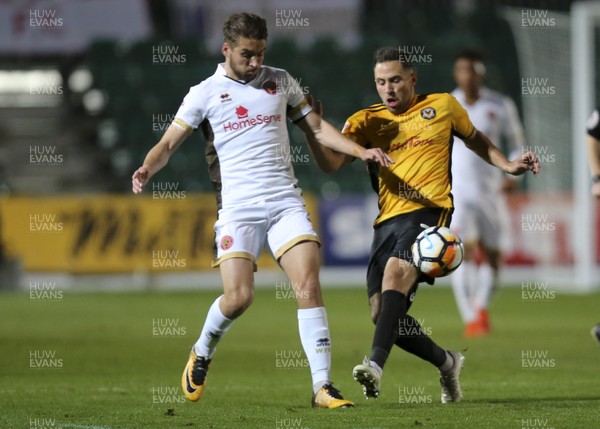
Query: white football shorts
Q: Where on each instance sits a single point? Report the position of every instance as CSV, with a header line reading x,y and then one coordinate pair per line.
x,y
484,221
243,231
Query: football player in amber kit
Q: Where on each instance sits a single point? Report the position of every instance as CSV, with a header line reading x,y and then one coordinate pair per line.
x,y
416,131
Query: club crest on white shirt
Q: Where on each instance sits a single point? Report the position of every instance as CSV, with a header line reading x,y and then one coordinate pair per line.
x,y
226,242
270,87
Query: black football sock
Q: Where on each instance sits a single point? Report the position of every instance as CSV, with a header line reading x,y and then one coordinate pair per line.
x,y
413,339
393,306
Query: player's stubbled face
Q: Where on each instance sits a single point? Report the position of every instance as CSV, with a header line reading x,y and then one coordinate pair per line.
x,y
395,85
468,74
244,59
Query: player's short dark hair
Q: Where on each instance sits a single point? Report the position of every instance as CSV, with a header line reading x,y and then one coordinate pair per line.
x,y
388,53
246,25
470,55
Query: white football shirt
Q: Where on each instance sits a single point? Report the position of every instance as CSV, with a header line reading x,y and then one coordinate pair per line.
x,y
495,115
248,121
593,124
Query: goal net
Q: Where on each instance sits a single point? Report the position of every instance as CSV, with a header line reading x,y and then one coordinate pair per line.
x,y
556,53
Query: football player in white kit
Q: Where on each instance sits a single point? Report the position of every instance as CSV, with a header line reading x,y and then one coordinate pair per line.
x,y
481,216
593,145
242,109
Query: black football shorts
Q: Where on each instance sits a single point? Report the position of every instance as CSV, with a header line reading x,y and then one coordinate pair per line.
x,y
394,238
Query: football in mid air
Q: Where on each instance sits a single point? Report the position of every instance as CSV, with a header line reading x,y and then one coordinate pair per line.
x,y
437,251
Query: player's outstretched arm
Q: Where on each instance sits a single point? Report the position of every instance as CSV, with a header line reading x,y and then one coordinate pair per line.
x,y
512,130
323,133
485,149
158,157
326,159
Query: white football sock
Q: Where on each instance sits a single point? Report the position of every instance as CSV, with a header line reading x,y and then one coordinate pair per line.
x,y
463,280
215,326
487,283
315,338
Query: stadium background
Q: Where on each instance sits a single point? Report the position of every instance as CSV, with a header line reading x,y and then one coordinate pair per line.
x,y
89,87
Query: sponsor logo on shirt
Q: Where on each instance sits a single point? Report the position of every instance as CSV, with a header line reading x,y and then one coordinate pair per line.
x,y
225,98
410,143
247,121
241,112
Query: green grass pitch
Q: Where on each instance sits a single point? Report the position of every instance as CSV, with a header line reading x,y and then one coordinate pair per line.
x,y
89,360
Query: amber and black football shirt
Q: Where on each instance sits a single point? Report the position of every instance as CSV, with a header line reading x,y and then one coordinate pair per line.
x,y
420,142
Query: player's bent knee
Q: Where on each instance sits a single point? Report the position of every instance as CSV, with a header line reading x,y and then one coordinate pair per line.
x,y
399,275
237,302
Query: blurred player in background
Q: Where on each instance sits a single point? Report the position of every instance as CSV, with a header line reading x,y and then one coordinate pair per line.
x,y
242,109
481,216
593,144
416,131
